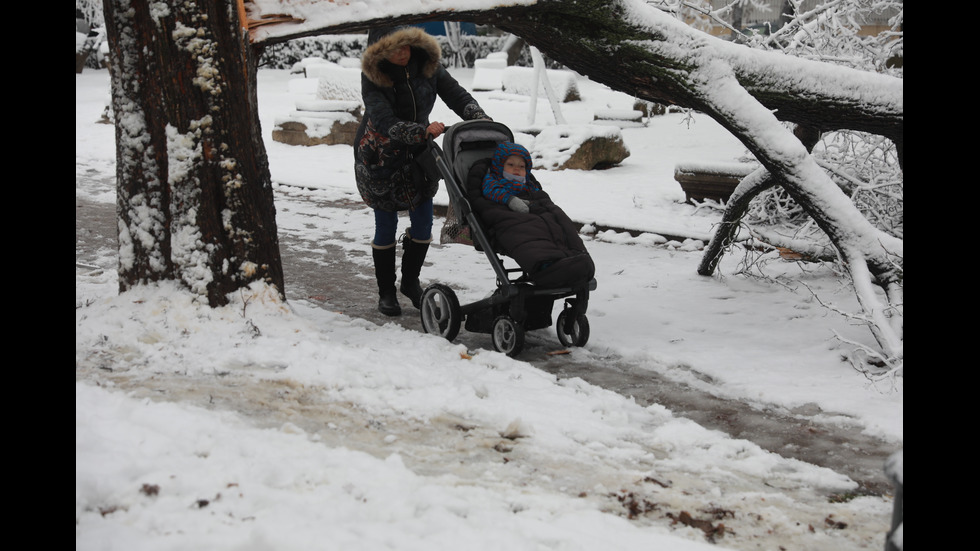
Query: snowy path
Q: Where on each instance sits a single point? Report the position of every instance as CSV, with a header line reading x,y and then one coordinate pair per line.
x,y
472,453
316,270
328,275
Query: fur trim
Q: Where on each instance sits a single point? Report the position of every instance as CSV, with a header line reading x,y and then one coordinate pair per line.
x,y
415,37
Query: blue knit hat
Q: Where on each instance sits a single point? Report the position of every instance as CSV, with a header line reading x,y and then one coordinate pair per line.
x,y
505,150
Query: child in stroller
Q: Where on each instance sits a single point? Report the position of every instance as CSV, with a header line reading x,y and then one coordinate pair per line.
x,y
524,223
553,262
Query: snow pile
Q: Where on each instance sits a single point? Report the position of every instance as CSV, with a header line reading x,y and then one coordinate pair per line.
x,y
386,438
301,65
717,168
304,87
489,73
522,80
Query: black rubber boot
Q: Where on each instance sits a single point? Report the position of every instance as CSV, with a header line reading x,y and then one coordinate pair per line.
x,y
412,260
384,271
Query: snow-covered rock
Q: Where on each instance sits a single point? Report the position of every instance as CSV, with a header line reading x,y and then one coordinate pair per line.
x,y
578,146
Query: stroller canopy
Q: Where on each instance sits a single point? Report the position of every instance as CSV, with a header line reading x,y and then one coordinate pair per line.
x,y
466,142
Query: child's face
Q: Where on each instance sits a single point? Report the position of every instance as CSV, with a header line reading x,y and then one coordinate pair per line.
x,y
515,165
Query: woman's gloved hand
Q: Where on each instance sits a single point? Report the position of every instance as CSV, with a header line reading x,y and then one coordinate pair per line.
x,y
435,129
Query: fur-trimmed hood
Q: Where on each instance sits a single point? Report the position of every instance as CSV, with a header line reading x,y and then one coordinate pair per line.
x,y
383,42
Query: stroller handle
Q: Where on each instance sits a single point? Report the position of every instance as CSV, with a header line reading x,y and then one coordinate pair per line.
x,y
429,138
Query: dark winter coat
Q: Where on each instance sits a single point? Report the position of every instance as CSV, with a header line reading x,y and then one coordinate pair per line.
x,y
544,241
397,104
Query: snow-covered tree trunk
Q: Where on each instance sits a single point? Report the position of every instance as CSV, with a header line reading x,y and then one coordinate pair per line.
x,y
454,40
194,195
540,81
870,255
738,204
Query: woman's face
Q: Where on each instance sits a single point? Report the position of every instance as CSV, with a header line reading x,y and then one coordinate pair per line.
x,y
515,165
400,56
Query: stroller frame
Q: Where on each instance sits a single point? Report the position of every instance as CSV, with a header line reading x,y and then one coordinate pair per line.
x,y
517,305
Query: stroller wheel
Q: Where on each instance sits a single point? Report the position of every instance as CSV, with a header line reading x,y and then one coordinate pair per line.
x,y
508,336
572,331
440,311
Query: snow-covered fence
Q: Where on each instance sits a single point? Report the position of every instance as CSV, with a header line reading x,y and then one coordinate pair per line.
x,y
522,80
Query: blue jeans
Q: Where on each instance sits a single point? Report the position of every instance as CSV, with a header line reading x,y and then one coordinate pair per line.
x,y
386,224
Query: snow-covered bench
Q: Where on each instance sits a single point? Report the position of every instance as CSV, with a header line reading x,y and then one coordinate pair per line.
x,y
332,116
319,122
623,118
715,181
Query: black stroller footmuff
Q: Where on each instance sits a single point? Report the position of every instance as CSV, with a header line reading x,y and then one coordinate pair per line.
x,y
551,268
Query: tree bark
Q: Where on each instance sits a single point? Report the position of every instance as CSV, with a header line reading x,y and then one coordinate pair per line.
x,y
194,194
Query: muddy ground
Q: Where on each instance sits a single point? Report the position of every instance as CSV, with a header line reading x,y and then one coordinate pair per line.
x,y
789,433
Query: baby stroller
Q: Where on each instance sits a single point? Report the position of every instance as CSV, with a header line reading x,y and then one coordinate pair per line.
x,y
517,305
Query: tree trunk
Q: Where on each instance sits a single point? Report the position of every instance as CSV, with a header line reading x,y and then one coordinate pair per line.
x,y
194,195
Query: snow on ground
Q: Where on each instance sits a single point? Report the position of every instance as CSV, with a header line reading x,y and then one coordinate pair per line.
x,y
266,425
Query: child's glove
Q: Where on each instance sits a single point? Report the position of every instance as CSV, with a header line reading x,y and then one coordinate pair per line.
x,y
518,205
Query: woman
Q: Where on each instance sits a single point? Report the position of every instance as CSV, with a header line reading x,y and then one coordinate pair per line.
x,y
401,76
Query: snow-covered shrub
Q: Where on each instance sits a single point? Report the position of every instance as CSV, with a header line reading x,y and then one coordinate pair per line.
x,y
331,48
338,48
336,82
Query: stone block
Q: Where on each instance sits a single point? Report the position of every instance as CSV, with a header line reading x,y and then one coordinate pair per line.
x,y
317,128
579,147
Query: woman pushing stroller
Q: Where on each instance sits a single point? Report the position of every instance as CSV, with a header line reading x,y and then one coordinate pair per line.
x,y
524,223
401,77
